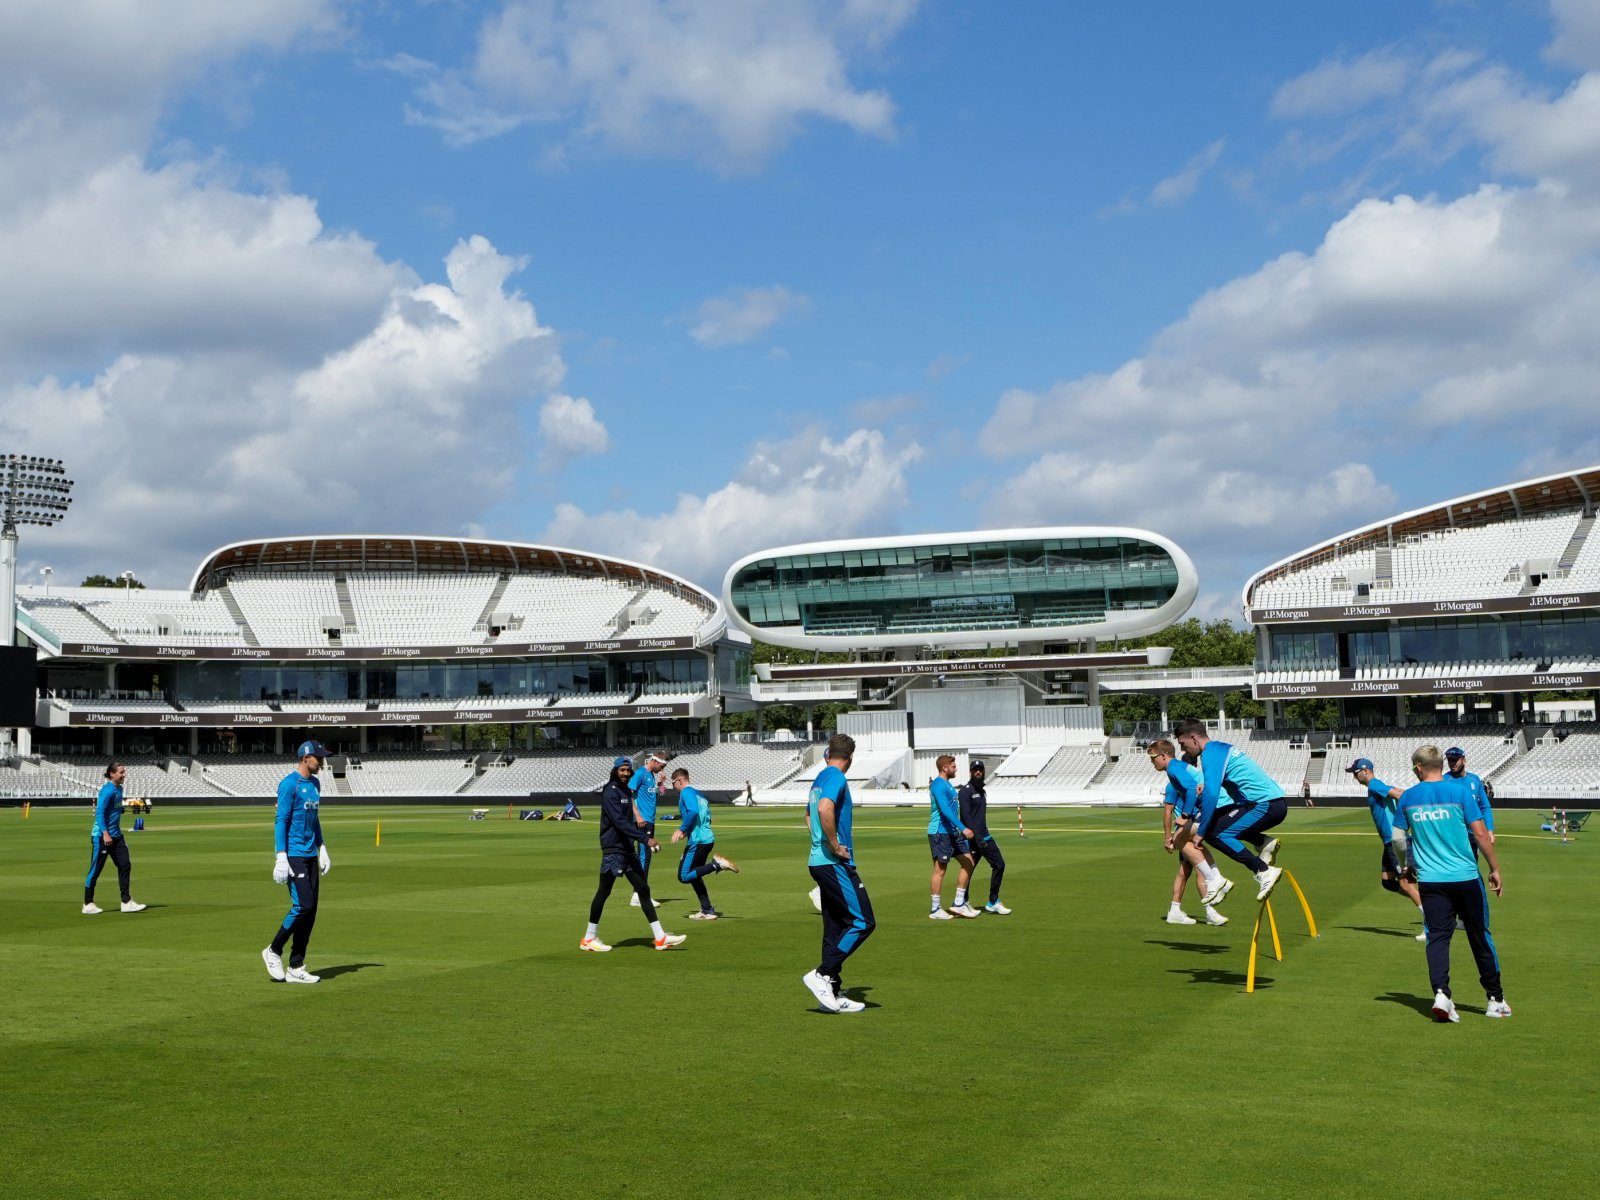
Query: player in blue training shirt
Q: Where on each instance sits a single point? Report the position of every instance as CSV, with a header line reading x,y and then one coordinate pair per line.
x,y
106,841
698,860
846,910
620,831
1182,800
1444,822
1381,799
302,859
1239,802
642,785
1455,761
947,839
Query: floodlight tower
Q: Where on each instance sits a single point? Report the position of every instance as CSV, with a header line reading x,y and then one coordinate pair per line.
x,y
33,491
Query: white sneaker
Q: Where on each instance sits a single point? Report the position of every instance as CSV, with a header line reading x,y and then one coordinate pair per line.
x,y
1214,897
725,863
847,1005
132,906
816,898
91,908
634,902
822,989
1423,936
274,964
1268,880
1497,1008
1176,916
939,914
965,910
300,975
1444,1009
594,945
704,916
998,909
1269,850
1213,917
671,940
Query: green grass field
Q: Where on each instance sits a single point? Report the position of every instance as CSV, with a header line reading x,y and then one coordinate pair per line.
x,y
460,1045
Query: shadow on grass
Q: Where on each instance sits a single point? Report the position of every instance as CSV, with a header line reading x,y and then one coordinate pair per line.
x,y
346,969
1191,947
1234,979
1380,932
855,993
1421,1004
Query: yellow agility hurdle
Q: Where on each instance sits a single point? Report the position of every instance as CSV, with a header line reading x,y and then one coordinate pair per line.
x,y
1272,926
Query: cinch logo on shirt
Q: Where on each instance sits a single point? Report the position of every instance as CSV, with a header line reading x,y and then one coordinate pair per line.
x,y
1434,814
310,804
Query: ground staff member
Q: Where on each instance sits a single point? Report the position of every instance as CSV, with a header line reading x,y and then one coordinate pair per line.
x,y
973,803
106,841
1444,822
302,859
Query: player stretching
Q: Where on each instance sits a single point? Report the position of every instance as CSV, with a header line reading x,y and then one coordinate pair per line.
x,y
1182,799
1381,800
106,841
846,910
302,858
973,802
698,860
947,839
1239,802
1455,761
620,832
642,785
1444,820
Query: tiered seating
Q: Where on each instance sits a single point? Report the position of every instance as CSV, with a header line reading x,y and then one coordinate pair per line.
x,y
560,608
1555,767
286,610
1390,751
866,765
146,776
667,615
1069,770
416,610
1480,562
248,774
61,616
24,783
584,699
1132,775
146,617
1285,762
666,691
1315,585
728,766
409,775
545,771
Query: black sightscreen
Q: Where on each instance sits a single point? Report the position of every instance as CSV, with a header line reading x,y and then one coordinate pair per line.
x,y
18,686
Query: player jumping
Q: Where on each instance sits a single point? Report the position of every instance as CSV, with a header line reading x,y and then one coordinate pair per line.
x,y
1239,802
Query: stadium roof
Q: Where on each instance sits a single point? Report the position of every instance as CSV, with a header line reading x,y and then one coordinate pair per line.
x,y
1562,492
412,552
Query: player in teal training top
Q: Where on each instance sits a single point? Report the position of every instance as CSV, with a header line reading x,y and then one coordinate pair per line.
x,y
846,911
1239,802
1455,762
106,841
1179,804
302,859
642,786
1444,823
1381,800
699,859
947,839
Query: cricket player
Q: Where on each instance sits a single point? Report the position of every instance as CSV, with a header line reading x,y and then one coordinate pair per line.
x,y
642,785
698,860
947,839
1443,820
1455,760
620,833
972,802
1381,800
846,911
302,858
106,841
1239,802
1182,801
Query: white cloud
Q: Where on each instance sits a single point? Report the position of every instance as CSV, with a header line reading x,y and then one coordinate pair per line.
x,y
727,80
1343,85
805,488
568,429
744,314
1180,185
1577,38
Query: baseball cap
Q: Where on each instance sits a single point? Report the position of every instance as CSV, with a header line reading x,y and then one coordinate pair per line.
x,y
976,765
1360,764
622,760
1455,752
312,747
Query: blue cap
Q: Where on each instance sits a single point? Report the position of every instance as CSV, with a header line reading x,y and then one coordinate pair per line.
x,y
1360,764
1455,752
621,760
312,747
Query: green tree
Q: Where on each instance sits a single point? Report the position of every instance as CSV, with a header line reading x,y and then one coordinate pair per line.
x,y
107,581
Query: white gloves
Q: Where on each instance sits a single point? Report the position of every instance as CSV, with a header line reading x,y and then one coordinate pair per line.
x,y
280,869
323,860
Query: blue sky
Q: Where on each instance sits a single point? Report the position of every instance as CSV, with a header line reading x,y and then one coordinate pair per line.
x,y
724,275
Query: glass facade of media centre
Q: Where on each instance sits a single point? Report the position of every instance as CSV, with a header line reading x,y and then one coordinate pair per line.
x,y
956,587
